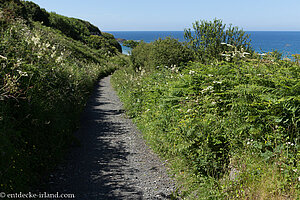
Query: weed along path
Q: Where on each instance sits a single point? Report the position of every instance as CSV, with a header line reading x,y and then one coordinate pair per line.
x,y
112,160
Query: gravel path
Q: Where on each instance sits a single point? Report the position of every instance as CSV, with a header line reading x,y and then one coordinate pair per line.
x,y
112,161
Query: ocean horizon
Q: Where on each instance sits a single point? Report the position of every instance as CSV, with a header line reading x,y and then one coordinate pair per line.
x,y
287,42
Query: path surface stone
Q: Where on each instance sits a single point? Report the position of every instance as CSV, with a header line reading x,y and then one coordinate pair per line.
x,y
112,160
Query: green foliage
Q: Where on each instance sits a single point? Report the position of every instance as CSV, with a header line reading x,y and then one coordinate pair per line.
x,y
207,38
72,27
220,119
12,9
45,79
112,41
100,43
35,13
130,43
170,51
162,52
141,55
85,32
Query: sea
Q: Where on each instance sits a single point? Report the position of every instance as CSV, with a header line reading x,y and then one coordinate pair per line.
x,y
287,42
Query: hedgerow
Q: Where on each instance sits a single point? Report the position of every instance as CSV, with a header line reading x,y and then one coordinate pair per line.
x,y
229,129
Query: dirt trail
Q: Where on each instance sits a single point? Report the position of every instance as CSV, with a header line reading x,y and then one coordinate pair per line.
x,y
112,161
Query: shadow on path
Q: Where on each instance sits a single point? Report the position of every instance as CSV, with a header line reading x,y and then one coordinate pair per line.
x,y
96,169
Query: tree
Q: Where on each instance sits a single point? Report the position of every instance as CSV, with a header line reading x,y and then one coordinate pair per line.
x,y
209,39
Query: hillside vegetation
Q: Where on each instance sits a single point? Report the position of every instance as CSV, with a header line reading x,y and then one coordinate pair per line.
x,y
226,118
49,64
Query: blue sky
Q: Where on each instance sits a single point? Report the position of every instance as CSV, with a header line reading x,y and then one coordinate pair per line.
x,y
139,15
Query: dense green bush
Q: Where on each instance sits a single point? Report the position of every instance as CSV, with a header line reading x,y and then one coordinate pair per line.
x,y
141,55
162,52
130,43
105,42
211,39
112,41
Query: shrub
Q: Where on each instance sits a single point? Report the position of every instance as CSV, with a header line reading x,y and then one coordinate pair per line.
x,y
169,52
141,55
162,52
100,43
207,39
130,43
112,41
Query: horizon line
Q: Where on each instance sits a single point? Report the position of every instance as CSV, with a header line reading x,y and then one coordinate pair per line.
x,y
183,30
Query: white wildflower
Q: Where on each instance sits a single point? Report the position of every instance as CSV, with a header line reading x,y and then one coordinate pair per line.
x,y
207,89
35,40
59,59
218,82
210,75
290,143
3,57
191,72
22,73
47,45
225,55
